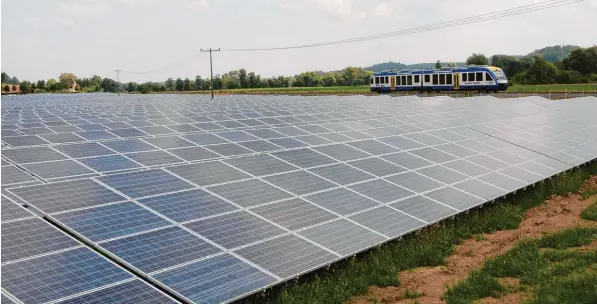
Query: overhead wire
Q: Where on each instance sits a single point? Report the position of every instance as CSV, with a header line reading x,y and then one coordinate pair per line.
x,y
437,26
480,18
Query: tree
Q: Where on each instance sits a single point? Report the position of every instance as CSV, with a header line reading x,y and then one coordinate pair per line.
x,y
41,84
170,84
582,60
132,87
14,87
14,80
25,87
541,72
6,88
51,85
438,65
242,77
187,85
109,85
67,80
179,84
254,80
217,82
351,75
198,83
5,77
478,59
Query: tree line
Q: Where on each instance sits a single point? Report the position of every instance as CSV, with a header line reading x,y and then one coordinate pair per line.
x,y
580,66
65,82
241,79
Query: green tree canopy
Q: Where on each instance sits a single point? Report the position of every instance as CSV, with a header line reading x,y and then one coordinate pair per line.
x,y
478,59
438,65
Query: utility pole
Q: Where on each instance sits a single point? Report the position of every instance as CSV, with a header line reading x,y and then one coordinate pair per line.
x,y
210,50
118,80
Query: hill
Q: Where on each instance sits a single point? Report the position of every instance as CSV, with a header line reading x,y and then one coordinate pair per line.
x,y
397,65
554,53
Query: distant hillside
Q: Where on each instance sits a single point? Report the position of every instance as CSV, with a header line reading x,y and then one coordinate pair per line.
x,y
397,65
554,53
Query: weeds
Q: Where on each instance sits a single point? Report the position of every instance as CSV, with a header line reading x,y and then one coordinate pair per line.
x,y
412,294
590,213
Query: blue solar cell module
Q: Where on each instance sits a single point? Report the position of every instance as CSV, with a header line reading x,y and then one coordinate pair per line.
x,y
188,205
31,237
134,291
160,249
109,163
215,280
12,211
96,135
56,197
129,145
128,132
51,277
235,229
57,169
105,222
287,256
84,150
22,141
13,175
31,155
145,183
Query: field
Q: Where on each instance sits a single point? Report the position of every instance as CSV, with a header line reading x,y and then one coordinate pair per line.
x,y
587,88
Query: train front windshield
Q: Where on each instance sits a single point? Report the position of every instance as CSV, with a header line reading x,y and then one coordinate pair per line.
x,y
499,74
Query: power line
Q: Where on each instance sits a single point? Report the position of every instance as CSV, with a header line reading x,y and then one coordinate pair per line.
x,y
475,19
437,26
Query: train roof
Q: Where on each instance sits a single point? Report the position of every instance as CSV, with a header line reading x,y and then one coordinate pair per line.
x,y
468,68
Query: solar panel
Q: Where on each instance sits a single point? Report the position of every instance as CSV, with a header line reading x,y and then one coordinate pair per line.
x,y
160,249
145,183
257,190
105,222
235,229
133,291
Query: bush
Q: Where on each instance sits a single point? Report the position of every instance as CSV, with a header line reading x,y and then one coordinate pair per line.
x,y
567,76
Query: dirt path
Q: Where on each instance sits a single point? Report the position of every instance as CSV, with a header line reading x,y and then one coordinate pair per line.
x,y
555,214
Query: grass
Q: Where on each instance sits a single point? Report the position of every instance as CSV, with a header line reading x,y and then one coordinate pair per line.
x,y
556,273
590,213
585,87
430,247
412,294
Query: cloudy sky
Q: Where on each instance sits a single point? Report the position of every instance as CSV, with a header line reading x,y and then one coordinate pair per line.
x,y
42,38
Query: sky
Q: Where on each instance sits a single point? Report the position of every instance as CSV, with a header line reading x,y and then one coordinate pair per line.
x,y
43,38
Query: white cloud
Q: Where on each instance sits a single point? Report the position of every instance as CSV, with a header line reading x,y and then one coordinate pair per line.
x,y
200,5
34,21
382,9
341,8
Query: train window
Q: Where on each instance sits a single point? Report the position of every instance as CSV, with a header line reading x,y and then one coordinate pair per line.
x,y
398,82
448,78
417,78
488,77
479,76
403,80
376,80
427,78
372,80
471,76
410,80
464,78
442,78
435,79
387,79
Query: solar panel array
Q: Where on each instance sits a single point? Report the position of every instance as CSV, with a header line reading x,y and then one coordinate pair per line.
x,y
216,200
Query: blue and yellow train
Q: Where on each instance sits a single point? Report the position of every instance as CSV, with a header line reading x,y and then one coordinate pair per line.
x,y
470,78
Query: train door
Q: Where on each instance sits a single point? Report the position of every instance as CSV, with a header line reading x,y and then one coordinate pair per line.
x,y
456,81
393,82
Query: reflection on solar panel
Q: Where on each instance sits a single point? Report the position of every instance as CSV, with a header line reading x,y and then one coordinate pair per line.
x,y
222,199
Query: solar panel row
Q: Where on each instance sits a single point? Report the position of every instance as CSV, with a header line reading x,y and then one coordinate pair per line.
x,y
228,197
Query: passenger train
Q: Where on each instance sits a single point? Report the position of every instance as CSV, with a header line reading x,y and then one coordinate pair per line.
x,y
469,78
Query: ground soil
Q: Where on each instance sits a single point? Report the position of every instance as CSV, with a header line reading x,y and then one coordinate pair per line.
x,y
557,213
